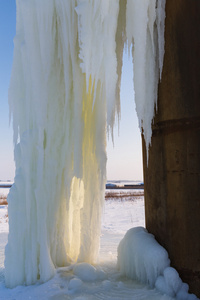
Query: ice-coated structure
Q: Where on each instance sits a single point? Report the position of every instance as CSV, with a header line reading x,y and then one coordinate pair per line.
x,y
63,97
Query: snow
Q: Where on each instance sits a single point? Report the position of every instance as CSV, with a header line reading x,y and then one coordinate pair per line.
x,y
3,218
5,189
106,281
3,192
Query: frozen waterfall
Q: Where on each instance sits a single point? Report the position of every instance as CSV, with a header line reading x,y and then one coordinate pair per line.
x,y
64,98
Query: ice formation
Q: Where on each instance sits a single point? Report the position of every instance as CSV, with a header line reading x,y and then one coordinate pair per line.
x,y
142,258
63,96
88,273
147,52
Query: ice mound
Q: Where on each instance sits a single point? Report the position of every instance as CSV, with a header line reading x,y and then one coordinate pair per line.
x,y
75,284
171,284
87,272
142,258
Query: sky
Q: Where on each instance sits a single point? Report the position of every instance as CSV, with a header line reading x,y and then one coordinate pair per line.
x,y
7,33
124,158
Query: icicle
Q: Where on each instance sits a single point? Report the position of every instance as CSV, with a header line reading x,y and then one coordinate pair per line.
x,y
161,30
97,29
145,28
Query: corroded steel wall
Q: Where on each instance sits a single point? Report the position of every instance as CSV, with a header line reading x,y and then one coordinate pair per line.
x,y
172,178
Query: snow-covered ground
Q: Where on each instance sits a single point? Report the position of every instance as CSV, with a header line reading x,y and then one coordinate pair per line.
x,y
83,282
3,191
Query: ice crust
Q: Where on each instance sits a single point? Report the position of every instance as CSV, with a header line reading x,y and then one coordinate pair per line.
x,y
142,258
63,96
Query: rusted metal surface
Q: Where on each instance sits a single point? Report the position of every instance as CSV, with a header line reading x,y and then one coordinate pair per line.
x,y
171,126
172,178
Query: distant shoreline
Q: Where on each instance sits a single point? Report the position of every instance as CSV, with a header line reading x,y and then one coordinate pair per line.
x,y
108,186
5,185
125,187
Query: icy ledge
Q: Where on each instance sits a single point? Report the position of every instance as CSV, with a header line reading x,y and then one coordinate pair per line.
x,y
142,258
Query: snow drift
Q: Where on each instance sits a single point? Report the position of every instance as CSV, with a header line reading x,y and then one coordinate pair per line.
x,y
64,94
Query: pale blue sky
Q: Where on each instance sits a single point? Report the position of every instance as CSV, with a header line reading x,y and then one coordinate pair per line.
x,y
124,160
7,32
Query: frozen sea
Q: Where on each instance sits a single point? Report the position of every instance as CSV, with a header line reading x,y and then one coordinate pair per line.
x,y
123,210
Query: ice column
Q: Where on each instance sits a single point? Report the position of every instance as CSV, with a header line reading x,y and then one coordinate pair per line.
x,y
64,56
63,97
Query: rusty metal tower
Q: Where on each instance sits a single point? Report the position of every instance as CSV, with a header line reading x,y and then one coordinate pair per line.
x,y
172,178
